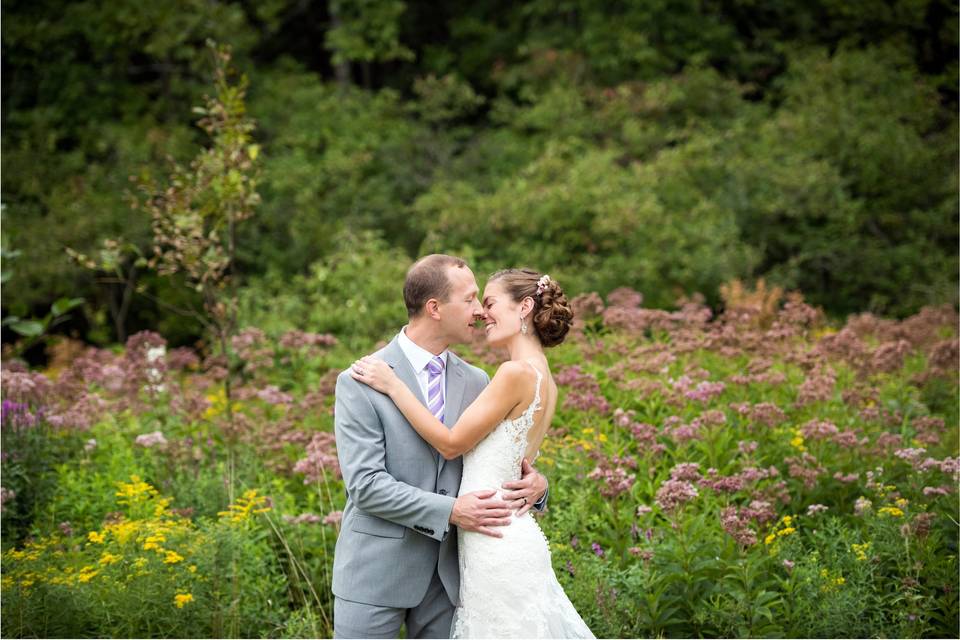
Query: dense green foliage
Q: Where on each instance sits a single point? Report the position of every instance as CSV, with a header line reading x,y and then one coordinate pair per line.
x,y
668,146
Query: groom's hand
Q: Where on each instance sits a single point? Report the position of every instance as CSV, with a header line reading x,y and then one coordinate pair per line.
x,y
479,511
522,494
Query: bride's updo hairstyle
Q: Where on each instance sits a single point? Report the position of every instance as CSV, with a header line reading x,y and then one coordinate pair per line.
x,y
552,316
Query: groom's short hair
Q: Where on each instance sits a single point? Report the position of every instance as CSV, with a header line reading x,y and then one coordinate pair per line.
x,y
427,278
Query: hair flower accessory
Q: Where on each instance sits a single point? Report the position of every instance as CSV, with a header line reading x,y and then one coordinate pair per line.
x,y
542,284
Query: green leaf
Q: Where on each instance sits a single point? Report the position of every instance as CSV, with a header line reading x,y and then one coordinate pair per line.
x,y
28,328
63,305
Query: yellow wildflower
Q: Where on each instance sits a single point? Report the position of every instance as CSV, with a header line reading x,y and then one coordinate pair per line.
x,y
587,432
134,491
109,558
861,550
153,541
890,511
122,530
172,558
797,442
902,502
602,437
218,404
770,538
192,568
86,574
830,584
787,520
96,537
161,509
785,532
181,599
248,503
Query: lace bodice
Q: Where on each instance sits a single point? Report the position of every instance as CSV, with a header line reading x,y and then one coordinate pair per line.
x,y
496,459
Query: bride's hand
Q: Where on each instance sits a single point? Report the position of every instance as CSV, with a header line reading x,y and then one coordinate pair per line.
x,y
376,373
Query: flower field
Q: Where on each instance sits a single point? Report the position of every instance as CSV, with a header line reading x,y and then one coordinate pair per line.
x,y
760,473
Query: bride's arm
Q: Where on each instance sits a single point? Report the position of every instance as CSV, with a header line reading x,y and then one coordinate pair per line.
x,y
493,404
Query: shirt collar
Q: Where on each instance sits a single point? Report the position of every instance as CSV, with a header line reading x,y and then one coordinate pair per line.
x,y
418,356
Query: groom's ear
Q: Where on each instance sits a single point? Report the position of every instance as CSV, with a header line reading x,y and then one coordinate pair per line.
x,y
432,308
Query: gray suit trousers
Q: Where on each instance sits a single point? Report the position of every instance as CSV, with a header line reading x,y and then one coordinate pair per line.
x,y
431,618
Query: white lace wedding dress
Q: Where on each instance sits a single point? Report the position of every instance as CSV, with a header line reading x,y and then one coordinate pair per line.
x,y
507,585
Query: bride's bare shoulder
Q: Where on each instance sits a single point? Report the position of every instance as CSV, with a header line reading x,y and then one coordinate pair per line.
x,y
512,370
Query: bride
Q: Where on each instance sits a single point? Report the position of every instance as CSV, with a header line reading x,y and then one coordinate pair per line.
x,y
507,585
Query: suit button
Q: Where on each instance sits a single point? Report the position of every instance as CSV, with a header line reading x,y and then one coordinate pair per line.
x,y
442,492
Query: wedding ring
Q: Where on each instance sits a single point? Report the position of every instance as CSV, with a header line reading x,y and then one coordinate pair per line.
x,y
524,501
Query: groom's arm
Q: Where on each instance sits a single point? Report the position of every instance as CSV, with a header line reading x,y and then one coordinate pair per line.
x,y
362,454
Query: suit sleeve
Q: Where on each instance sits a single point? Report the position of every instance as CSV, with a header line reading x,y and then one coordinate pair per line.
x,y
362,454
541,504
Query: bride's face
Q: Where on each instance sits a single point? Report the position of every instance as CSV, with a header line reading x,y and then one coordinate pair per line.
x,y
501,315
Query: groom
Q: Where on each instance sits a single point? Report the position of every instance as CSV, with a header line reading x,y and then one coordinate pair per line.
x,y
396,558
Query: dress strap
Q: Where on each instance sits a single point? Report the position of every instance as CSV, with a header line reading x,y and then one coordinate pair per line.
x,y
536,394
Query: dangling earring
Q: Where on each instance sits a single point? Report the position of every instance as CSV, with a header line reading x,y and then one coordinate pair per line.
x,y
523,325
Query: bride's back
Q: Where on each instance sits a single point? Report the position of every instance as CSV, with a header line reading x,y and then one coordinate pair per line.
x,y
543,416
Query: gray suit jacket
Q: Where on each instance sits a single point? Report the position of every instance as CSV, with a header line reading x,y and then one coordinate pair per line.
x,y
400,492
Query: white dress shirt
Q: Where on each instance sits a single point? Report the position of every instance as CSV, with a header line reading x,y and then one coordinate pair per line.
x,y
419,358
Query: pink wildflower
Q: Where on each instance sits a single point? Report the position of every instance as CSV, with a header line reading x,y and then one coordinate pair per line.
x,y
6,496
151,439
737,527
686,471
272,395
746,447
674,493
321,456
848,478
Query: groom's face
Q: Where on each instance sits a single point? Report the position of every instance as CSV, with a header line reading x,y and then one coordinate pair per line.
x,y
461,311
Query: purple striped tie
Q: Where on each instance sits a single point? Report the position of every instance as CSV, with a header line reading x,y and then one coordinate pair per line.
x,y
435,387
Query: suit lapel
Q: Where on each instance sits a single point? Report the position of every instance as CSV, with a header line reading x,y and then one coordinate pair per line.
x,y
393,355
453,396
